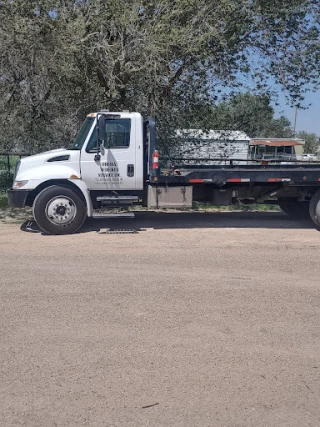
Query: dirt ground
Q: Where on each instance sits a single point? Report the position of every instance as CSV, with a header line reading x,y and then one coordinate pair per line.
x,y
170,319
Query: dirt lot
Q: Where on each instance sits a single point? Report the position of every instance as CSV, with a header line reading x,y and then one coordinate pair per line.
x,y
187,319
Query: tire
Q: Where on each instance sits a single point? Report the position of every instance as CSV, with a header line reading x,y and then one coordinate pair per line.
x,y
59,210
314,209
295,209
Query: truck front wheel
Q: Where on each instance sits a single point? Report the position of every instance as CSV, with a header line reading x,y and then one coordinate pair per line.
x,y
59,210
295,209
314,209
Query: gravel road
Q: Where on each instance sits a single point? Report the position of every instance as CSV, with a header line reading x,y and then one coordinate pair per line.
x,y
181,320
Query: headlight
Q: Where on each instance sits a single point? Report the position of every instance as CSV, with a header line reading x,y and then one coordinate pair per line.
x,y
19,184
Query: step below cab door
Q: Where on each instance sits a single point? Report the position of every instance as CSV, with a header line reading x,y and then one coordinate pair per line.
x,y
120,164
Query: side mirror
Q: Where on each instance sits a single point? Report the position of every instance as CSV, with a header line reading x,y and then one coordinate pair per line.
x,y
101,129
101,134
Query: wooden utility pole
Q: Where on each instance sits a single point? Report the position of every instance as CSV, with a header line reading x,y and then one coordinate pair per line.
x,y
295,121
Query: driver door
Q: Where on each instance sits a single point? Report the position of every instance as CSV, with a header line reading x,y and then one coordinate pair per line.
x,y
116,168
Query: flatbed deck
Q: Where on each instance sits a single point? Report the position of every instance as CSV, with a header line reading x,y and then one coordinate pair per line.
x,y
298,173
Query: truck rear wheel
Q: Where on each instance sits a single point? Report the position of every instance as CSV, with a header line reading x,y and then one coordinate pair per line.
x,y
295,209
314,209
59,210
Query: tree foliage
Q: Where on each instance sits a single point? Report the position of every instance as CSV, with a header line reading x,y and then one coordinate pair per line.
x,y
60,59
312,142
252,114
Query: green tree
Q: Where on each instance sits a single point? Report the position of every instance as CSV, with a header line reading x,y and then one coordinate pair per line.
x,y
312,142
252,114
60,59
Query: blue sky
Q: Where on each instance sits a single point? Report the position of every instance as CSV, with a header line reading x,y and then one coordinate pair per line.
x,y
309,119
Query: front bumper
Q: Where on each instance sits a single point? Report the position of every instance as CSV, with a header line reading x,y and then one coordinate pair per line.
x,y
17,198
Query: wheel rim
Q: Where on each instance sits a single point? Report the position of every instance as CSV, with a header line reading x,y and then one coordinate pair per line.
x,y
61,210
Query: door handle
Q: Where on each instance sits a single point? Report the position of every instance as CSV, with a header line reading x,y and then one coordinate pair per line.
x,y
130,170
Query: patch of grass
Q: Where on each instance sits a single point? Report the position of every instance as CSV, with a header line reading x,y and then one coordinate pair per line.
x,y
10,215
3,201
6,179
207,207
237,207
12,160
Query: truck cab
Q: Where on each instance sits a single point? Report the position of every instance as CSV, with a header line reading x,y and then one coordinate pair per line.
x,y
109,172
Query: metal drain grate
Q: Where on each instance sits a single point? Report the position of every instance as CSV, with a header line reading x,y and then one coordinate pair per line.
x,y
103,215
119,232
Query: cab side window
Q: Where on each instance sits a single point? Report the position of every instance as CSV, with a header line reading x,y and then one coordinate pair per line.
x,y
117,135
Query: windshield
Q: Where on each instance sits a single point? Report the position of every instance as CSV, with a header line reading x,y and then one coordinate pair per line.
x,y
83,133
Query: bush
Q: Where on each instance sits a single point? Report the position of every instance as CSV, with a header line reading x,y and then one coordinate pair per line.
x,y
3,201
5,181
